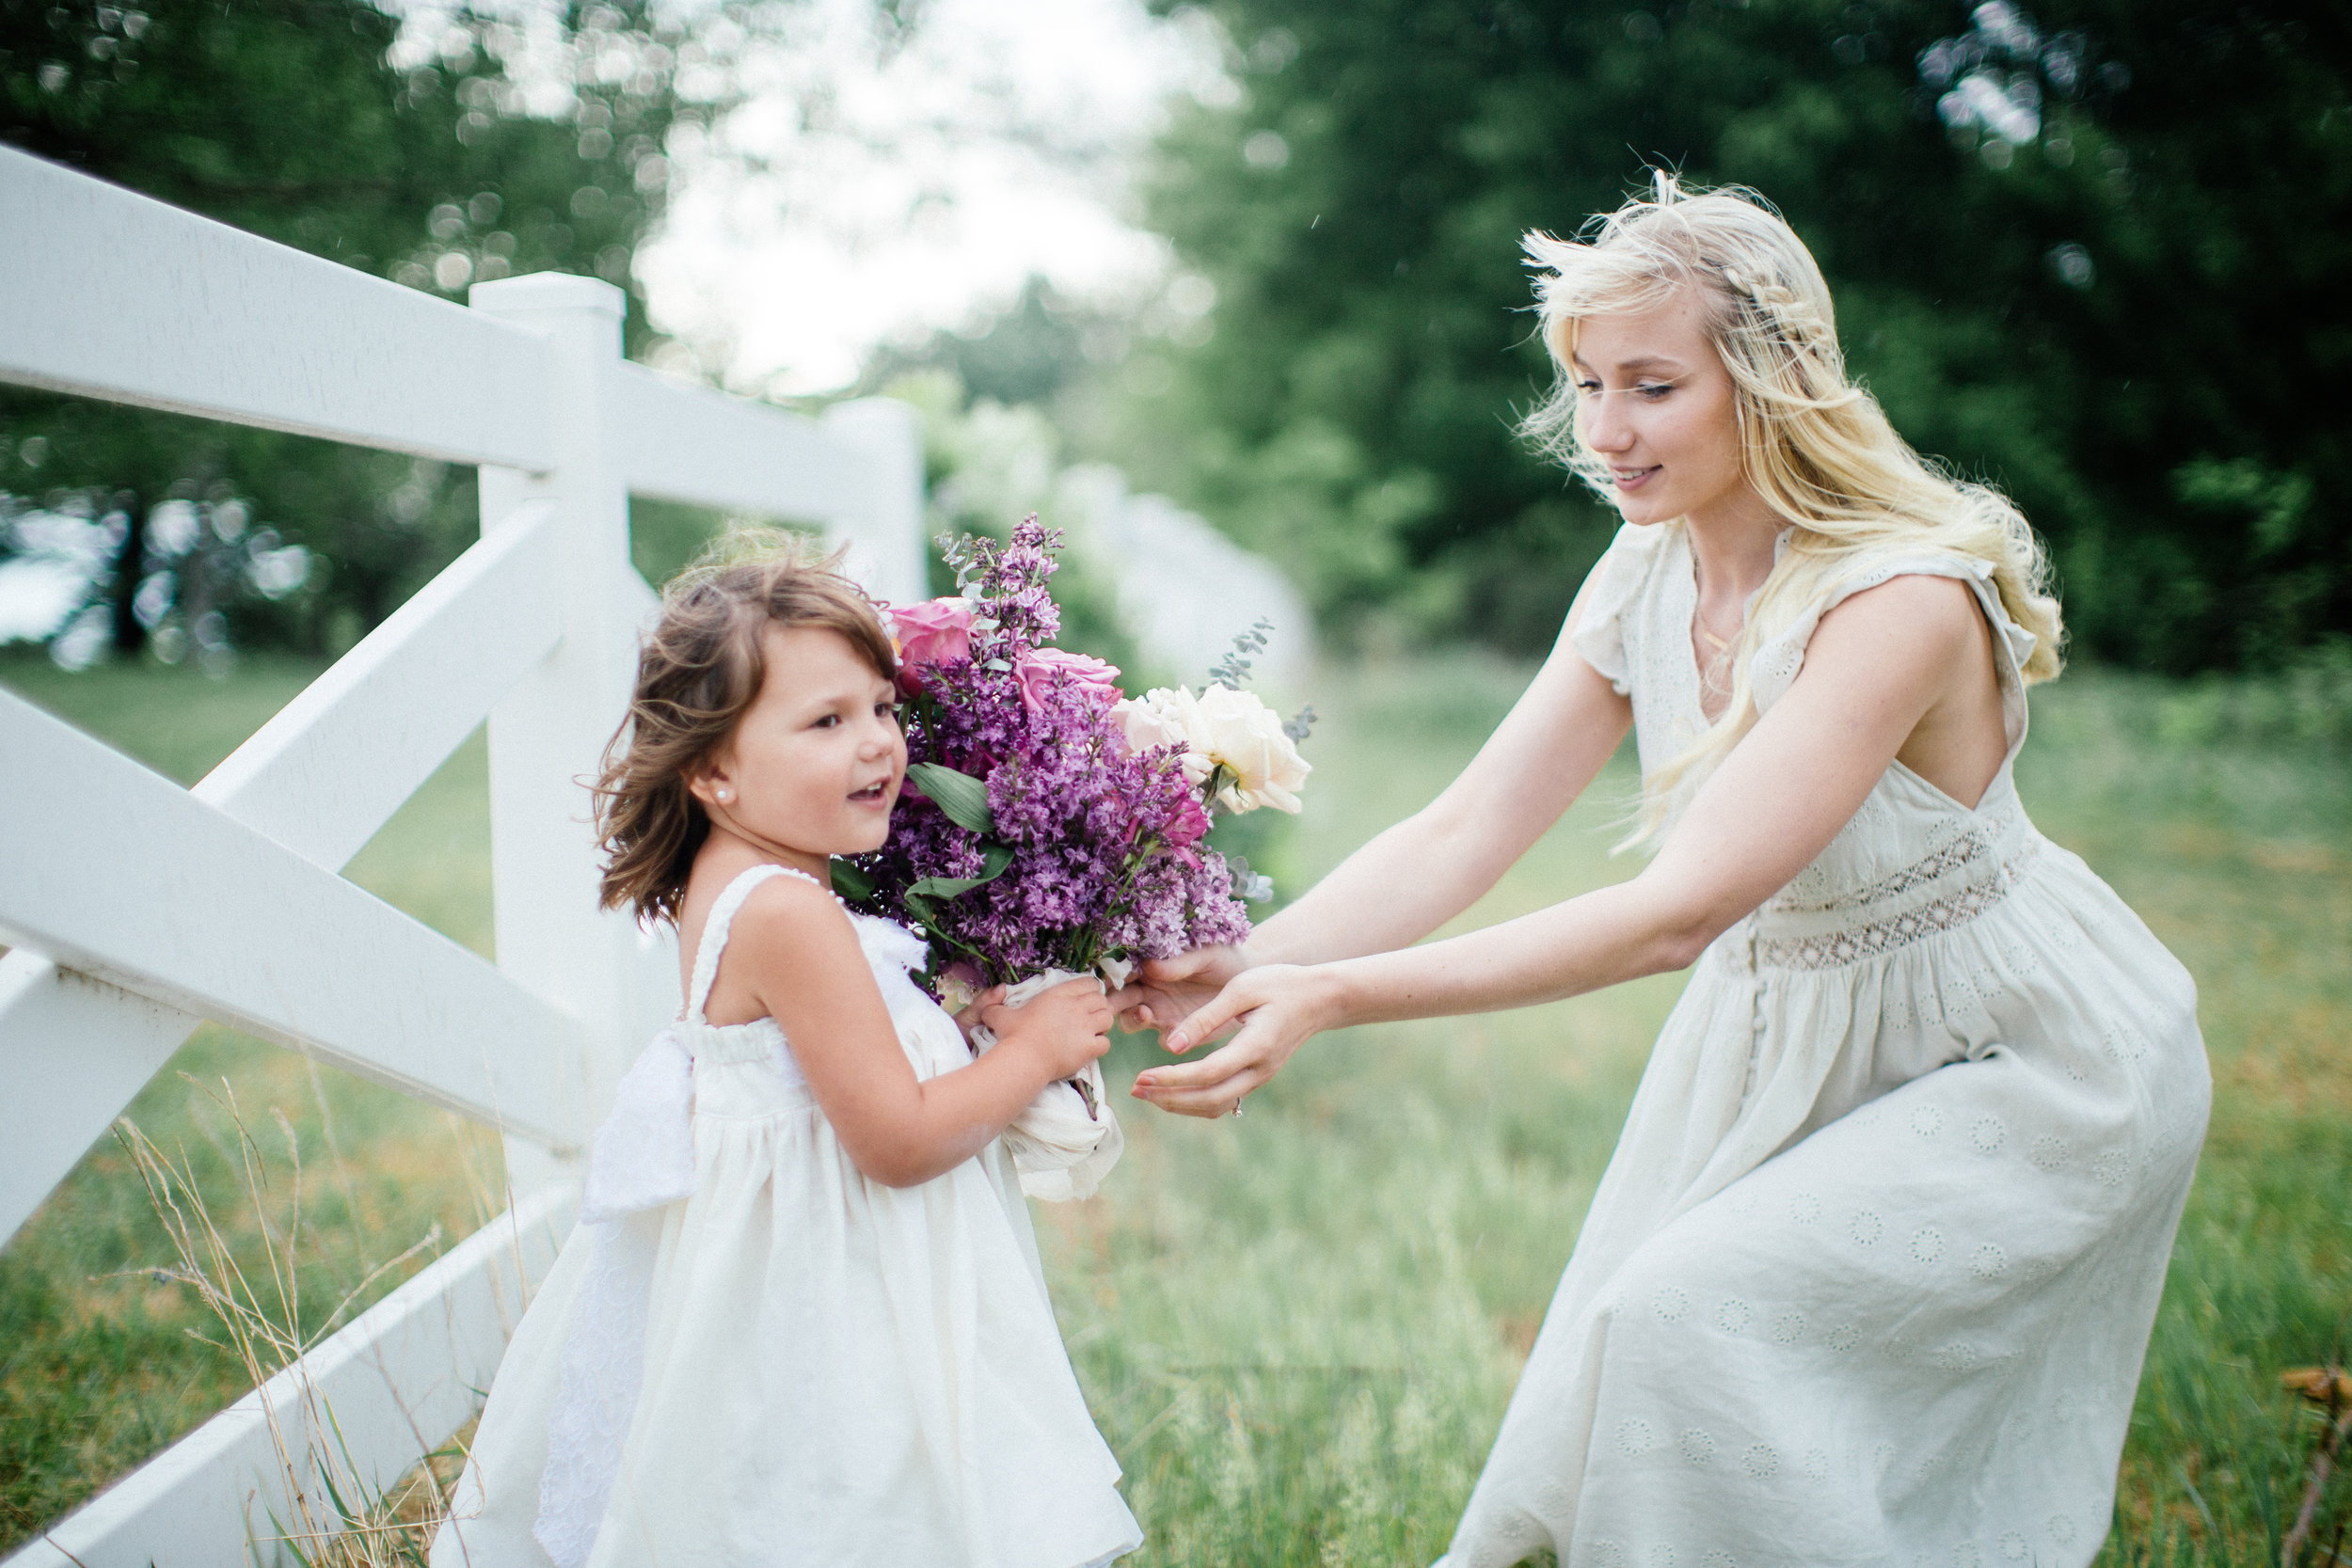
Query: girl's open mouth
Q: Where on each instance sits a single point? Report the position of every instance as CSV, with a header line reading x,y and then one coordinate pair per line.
x,y
873,793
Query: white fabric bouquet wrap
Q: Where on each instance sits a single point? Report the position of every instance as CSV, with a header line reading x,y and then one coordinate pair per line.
x,y
1066,1140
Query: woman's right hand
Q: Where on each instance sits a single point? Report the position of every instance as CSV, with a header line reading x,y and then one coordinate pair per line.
x,y
1166,991
1062,1029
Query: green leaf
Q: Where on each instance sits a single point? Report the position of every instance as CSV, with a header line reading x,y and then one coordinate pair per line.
x,y
963,797
850,880
992,866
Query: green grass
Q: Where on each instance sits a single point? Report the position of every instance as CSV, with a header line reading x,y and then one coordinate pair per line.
x,y
100,1368
1299,1329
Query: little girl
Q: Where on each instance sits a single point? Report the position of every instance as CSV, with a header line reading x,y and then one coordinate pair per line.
x,y
803,1321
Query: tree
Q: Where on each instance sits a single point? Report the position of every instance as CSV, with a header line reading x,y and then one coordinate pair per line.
x,y
431,158
2089,253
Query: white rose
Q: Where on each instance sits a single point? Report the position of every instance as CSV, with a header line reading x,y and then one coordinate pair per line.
x,y
1145,723
1158,718
1236,730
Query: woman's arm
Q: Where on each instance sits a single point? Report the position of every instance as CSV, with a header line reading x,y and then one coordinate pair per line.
x,y
1874,669
812,977
1423,871
1428,868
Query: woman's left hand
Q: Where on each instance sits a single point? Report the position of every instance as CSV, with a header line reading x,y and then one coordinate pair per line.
x,y
1280,1007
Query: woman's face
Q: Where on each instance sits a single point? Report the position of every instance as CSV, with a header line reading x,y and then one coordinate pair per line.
x,y
1655,400
815,762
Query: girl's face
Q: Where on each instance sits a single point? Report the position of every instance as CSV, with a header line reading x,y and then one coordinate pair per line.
x,y
815,762
1653,399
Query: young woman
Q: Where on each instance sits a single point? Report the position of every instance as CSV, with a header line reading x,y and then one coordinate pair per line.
x,y
1872,1270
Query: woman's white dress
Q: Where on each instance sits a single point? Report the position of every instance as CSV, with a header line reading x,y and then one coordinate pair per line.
x,y
1872,1273
749,1355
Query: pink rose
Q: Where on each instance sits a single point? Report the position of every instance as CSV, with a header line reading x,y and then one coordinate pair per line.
x,y
933,633
1040,669
1190,823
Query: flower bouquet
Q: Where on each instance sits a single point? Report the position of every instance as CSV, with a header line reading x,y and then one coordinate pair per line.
x,y
1051,828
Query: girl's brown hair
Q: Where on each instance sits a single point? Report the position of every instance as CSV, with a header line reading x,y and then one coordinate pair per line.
x,y
700,667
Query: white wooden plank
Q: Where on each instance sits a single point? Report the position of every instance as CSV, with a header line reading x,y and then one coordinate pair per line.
x,y
686,443
884,524
112,295
320,778
73,1050
338,760
177,901
396,1383
551,730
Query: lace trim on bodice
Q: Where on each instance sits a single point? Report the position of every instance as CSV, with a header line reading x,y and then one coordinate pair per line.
x,y
1941,892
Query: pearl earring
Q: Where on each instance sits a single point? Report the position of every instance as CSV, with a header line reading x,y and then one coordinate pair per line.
x,y
726,795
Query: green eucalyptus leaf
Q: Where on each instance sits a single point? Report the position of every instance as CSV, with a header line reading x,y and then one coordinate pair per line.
x,y
963,797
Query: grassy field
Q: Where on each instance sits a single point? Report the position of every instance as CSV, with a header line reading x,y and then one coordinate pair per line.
x,y
1299,1329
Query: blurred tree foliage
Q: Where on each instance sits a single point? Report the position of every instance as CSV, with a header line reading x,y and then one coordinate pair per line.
x,y
470,146
2092,251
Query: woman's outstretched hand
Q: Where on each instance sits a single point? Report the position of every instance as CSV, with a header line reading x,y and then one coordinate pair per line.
x,y
1279,1007
1165,992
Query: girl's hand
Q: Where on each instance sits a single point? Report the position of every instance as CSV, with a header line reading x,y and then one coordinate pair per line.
x,y
969,1017
1062,1029
1166,991
1280,1007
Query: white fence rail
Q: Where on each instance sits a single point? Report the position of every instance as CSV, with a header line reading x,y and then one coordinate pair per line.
x,y
136,910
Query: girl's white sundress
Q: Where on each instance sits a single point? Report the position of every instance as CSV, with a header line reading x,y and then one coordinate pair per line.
x,y
749,1355
1872,1270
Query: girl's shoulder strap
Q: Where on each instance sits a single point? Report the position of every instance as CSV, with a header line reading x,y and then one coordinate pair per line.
x,y
715,930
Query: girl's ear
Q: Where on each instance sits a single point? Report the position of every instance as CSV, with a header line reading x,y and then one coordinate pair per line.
x,y
711,781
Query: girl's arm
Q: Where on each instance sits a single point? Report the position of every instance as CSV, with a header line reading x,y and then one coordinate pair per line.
x,y
810,975
1875,667
1417,875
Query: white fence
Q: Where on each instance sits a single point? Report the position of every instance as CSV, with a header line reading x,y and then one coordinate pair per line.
x,y
136,909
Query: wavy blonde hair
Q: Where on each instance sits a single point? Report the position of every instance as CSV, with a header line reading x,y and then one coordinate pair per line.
x,y
1816,448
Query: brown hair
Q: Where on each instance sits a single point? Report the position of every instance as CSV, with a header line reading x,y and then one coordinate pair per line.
x,y
700,667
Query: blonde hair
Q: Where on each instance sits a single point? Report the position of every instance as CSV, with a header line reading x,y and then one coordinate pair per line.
x,y
1814,446
697,671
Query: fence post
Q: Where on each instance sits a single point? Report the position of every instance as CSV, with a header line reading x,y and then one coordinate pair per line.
x,y
547,733
886,535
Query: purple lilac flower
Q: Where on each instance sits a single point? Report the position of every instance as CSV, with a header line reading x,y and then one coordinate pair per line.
x,y
1104,859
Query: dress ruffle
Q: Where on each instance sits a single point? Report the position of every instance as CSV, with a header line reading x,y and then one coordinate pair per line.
x,y
1599,637
1775,665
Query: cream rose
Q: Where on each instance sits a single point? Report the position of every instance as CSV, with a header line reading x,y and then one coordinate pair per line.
x,y
1244,736
1155,719
1221,728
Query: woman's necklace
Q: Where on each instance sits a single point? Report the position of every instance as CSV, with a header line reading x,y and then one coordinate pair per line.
x,y
1714,669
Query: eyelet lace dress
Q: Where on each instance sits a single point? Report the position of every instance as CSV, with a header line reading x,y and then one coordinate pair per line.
x,y
749,1355
1872,1273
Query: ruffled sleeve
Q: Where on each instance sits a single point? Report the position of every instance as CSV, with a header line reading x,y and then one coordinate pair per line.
x,y
1774,668
1599,633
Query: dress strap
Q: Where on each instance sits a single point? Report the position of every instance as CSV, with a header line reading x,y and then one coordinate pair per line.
x,y
715,930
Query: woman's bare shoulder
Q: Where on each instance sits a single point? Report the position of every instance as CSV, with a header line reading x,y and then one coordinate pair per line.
x,y
1937,613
